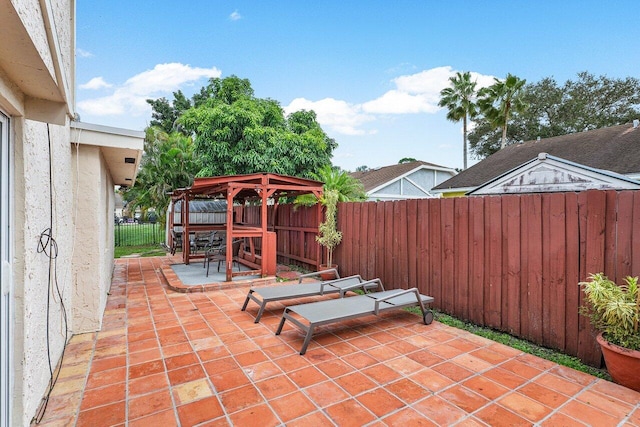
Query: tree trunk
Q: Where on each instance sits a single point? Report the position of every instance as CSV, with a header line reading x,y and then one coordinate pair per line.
x,y
464,141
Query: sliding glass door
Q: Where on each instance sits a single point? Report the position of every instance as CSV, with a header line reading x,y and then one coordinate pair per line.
x,y
5,271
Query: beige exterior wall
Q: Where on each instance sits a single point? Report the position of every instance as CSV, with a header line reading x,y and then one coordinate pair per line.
x,y
57,184
93,190
36,211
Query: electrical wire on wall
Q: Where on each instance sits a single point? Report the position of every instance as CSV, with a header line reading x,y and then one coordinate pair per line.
x,y
48,246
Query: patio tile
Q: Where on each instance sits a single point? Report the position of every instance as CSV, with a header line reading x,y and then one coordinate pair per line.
x,y
103,396
359,360
240,398
588,414
251,416
380,402
112,414
292,406
431,380
464,398
262,370
307,376
381,373
326,393
543,395
498,416
199,411
349,413
165,419
334,368
561,420
408,417
605,403
425,357
108,363
229,379
192,391
144,369
145,356
149,404
148,384
407,390
166,358
453,371
315,419
355,383
276,386
525,407
439,410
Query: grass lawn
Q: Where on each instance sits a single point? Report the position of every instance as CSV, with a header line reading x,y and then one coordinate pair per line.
x,y
142,250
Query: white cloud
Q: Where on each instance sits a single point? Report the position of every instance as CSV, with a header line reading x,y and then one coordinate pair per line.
x,y
413,94
235,16
83,53
339,115
130,98
95,84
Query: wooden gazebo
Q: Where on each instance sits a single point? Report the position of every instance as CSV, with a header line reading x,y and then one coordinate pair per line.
x,y
237,190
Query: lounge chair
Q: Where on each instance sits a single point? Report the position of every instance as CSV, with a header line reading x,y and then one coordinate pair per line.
x,y
264,295
337,310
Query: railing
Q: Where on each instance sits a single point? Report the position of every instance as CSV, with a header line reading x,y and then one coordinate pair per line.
x,y
138,234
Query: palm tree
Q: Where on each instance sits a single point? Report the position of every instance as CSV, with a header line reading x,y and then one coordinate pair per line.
x,y
458,99
498,101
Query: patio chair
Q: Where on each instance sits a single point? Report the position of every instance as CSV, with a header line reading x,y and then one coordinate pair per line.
x,y
338,310
220,254
176,241
264,295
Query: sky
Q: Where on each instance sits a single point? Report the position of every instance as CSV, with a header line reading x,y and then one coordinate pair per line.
x,y
371,70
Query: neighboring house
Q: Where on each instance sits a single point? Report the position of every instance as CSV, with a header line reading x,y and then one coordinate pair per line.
x,y
412,180
601,158
57,200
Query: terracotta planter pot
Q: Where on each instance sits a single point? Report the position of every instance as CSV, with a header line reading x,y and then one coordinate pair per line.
x,y
623,364
328,276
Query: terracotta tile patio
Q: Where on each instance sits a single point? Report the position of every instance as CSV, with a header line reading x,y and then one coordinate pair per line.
x,y
165,358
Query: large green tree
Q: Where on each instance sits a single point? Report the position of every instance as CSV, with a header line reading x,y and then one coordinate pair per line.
x,y
237,133
499,101
459,100
585,103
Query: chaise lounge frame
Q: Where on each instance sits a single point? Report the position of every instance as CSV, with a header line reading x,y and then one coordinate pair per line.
x,y
336,310
267,294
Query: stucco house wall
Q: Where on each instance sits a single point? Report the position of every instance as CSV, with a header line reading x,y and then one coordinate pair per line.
x,y
60,202
93,238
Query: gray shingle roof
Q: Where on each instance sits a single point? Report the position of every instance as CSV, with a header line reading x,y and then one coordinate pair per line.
x,y
376,177
616,149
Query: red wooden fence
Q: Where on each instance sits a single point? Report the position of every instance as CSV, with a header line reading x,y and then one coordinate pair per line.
x,y
509,262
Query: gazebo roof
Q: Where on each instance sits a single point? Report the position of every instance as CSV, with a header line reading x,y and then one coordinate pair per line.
x,y
250,185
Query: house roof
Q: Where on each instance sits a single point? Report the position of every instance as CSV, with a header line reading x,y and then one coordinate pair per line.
x,y
615,149
548,173
374,178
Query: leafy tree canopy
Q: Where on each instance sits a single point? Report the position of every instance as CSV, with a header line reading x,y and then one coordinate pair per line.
x,y
587,103
168,163
237,133
224,130
406,160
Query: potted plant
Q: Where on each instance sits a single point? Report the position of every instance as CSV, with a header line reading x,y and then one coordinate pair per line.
x,y
615,312
328,234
